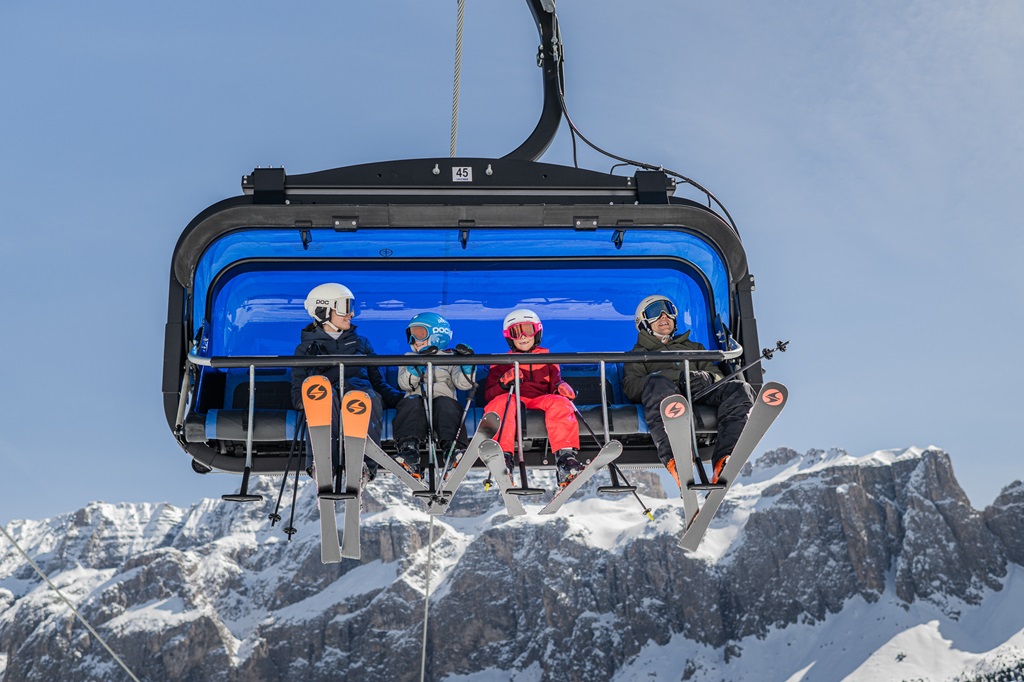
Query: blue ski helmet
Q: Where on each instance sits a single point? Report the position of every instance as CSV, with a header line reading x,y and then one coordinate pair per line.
x,y
430,326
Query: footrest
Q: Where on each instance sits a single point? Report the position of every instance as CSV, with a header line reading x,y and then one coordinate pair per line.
x,y
616,489
331,495
707,486
242,498
522,492
431,493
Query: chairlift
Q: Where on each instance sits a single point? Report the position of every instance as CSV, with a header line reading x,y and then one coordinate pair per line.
x,y
469,238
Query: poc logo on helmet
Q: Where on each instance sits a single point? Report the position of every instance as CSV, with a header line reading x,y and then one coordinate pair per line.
x,y
441,330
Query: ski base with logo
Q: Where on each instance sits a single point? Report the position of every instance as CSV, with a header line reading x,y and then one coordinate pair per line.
x,y
678,420
355,421
767,407
318,401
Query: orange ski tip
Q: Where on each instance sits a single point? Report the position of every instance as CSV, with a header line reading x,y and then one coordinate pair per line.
x,y
355,414
316,399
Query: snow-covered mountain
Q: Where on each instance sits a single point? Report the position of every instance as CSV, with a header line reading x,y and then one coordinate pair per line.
x,y
820,566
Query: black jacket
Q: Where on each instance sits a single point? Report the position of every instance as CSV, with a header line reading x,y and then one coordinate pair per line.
x,y
636,373
315,341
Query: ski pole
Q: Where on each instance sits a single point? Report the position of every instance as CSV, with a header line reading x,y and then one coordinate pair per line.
x,y
428,409
580,415
462,423
501,427
275,517
766,354
461,349
290,530
523,488
647,510
611,465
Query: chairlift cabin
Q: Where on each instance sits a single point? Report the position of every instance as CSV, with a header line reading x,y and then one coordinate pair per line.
x,y
468,238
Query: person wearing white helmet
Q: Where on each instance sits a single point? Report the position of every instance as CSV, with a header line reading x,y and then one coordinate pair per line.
x,y
540,388
332,307
429,334
651,382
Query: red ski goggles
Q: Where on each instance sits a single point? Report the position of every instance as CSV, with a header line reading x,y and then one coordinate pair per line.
x,y
523,329
417,333
655,310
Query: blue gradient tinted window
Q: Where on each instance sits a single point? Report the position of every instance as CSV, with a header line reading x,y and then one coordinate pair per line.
x,y
584,289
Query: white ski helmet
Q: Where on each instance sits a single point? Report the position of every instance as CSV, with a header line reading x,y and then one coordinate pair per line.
x,y
651,308
327,297
522,316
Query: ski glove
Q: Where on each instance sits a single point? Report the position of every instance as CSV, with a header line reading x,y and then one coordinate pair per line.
x,y
509,377
466,349
699,380
417,371
565,389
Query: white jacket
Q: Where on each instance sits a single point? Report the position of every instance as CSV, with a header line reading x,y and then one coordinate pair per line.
x,y
447,379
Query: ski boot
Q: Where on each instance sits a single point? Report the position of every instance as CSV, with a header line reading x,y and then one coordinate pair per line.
x,y
671,466
510,466
408,456
568,466
718,465
452,461
365,477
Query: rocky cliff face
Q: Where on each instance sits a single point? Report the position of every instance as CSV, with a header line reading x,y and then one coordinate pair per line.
x,y
215,593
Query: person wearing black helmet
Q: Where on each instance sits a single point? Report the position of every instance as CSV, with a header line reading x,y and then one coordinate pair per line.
x,y
332,307
651,382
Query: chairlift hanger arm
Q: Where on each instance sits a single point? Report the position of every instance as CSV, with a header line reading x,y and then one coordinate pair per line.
x,y
549,58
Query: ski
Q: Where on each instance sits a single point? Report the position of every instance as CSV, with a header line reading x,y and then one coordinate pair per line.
x,y
374,452
355,421
767,406
317,401
485,430
678,420
494,458
605,456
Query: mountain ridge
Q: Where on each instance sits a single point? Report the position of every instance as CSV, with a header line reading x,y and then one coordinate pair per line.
x,y
213,592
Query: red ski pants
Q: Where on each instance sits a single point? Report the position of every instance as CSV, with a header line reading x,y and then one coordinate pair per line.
x,y
559,418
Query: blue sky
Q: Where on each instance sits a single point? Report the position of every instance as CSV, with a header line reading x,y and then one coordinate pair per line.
x,y
872,155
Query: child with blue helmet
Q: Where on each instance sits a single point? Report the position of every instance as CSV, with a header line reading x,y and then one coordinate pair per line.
x,y
428,334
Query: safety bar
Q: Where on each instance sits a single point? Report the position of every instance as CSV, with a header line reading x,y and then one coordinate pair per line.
x,y
446,360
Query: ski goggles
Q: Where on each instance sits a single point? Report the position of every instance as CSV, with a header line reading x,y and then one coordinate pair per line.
x,y
655,309
344,306
522,329
417,333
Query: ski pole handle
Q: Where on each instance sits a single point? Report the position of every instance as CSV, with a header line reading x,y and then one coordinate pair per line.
x,y
766,354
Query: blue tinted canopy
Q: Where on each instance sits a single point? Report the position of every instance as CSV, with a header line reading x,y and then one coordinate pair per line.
x,y
250,285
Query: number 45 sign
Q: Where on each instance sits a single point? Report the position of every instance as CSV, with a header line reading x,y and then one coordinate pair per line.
x,y
462,174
